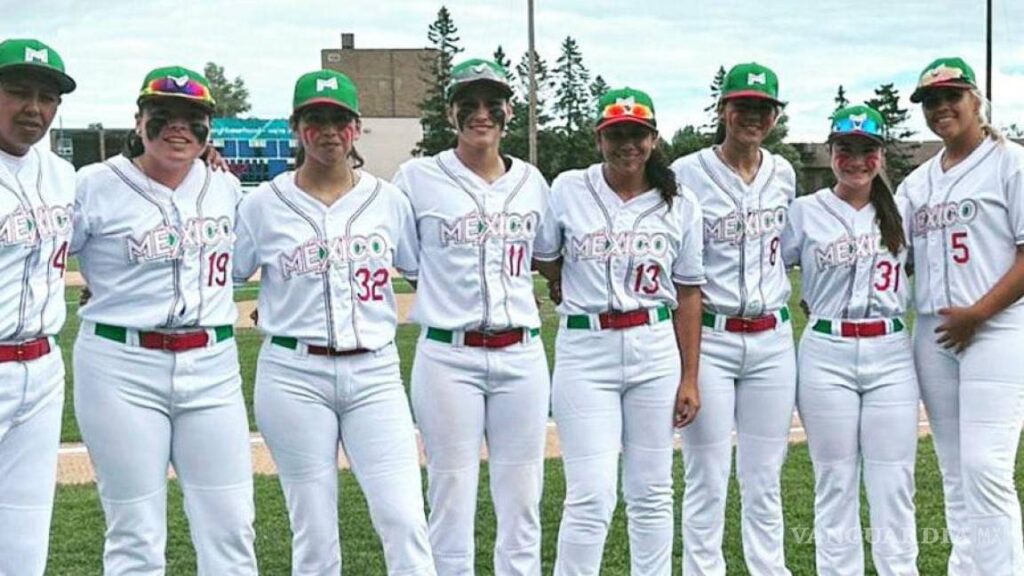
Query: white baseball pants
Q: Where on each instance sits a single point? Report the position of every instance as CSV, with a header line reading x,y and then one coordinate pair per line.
x,y
305,406
462,395
975,405
746,380
612,391
31,403
858,402
140,410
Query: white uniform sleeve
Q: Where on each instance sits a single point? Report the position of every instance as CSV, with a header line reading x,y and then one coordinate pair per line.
x,y
792,236
80,221
787,175
400,181
547,245
246,258
688,269
408,252
1015,204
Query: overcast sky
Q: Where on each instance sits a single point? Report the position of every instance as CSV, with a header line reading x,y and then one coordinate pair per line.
x,y
670,48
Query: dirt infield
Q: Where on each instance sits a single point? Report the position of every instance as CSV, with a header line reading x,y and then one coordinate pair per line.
x,y
74,466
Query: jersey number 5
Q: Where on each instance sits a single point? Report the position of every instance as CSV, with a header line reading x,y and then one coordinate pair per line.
x,y
961,253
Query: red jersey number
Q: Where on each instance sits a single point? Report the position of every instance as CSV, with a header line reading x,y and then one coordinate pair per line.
x,y
647,279
372,284
961,253
60,258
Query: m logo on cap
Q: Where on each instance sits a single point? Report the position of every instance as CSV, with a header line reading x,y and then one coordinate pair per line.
x,y
322,84
33,55
756,78
179,80
626,103
858,120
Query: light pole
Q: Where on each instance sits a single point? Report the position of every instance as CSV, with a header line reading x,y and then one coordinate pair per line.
x,y
533,88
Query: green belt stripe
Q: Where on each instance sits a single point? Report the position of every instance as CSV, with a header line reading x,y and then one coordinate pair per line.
x,y
708,318
825,326
120,333
285,342
448,336
582,321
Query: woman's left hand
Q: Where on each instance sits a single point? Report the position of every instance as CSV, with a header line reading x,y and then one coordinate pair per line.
x,y
687,403
958,328
212,158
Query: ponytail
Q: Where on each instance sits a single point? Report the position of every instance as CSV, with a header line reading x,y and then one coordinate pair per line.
x,y
660,176
887,215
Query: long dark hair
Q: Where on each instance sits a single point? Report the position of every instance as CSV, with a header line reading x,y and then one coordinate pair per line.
x,y
660,176
300,153
887,214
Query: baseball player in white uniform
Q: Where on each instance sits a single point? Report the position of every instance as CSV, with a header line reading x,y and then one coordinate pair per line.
x,y
747,366
857,390
36,199
624,241
325,238
480,370
156,368
966,207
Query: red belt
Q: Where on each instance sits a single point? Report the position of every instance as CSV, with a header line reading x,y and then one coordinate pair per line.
x,y
863,329
29,350
325,351
176,342
759,324
493,339
620,320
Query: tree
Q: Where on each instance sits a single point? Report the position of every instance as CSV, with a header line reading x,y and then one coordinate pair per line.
x,y
686,140
712,109
438,133
501,59
232,96
598,87
776,144
841,100
1014,131
572,96
899,152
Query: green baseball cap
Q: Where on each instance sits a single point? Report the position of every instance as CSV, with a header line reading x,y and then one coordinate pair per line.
x,y
625,105
944,73
26,54
177,82
478,70
858,120
326,87
751,80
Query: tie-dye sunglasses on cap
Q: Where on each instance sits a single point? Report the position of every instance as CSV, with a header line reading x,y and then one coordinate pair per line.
x,y
859,121
625,105
177,82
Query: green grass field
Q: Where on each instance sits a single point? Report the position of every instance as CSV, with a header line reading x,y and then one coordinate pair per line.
x,y
77,534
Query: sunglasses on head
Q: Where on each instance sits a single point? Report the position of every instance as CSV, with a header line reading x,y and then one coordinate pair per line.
x,y
935,97
168,85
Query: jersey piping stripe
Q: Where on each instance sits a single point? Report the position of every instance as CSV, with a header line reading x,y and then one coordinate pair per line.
x,y
609,228
352,289
167,222
325,281
202,246
853,273
632,259
949,192
760,261
53,249
742,245
26,270
485,293
504,245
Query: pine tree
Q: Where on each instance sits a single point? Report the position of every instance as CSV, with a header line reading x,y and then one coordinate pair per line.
x,y
501,59
899,152
712,109
840,99
598,87
572,97
438,133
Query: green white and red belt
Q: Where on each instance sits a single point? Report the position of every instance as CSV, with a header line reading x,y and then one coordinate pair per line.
x,y
747,325
858,328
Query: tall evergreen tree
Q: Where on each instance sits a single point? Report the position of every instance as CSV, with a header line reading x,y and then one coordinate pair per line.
x,y
438,133
840,99
899,151
572,96
712,109
501,59
598,87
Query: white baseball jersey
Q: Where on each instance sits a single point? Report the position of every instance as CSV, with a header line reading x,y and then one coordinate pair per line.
x,y
36,204
155,257
966,224
847,271
743,226
476,243
619,255
326,270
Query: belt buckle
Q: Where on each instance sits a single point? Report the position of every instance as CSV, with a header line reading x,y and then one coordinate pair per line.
x,y
19,352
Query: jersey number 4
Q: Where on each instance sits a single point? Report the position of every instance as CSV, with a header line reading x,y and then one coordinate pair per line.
x,y
60,258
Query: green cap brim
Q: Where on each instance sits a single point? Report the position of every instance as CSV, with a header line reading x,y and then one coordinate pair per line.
x,y
65,83
918,94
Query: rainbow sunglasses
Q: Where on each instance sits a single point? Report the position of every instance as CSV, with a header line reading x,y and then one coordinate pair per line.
x,y
178,82
625,105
